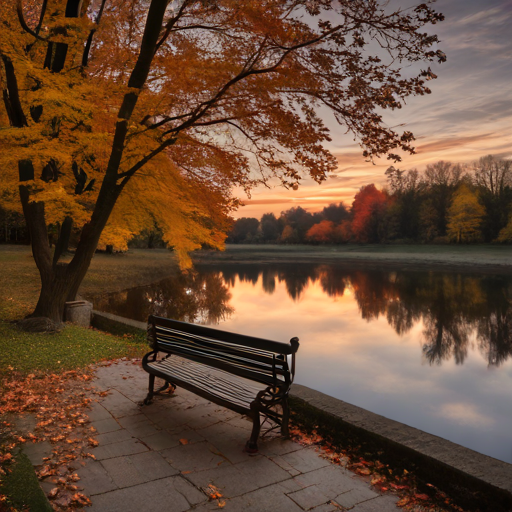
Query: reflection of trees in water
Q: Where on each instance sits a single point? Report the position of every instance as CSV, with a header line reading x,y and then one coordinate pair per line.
x,y
451,306
494,332
192,297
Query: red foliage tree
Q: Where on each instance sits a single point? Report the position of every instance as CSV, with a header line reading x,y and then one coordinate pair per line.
x,y
368,209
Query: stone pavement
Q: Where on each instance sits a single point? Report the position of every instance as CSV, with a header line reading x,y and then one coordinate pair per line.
x,y
164,456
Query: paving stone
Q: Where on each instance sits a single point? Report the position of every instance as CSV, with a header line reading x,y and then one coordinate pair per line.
x,y
95,479
131,421
107,425
326,507
118,405
303,461
234,480
128,447
228,441
141,430
290,485
23,423
355,496
268,499
240,422
36,451
194,457
98,412
137,469
113,437
200,416
185,432
278,446
309,497
331,480
169,439
162,440
172,493
380,504
163,418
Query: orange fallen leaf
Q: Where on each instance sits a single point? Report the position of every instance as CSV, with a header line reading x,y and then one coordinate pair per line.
x,y
183,441
404,501
53,493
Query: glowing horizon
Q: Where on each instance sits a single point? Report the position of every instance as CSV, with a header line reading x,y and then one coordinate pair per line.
x,y
467,116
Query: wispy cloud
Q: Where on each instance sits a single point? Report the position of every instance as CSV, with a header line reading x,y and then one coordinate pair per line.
x,y
468,114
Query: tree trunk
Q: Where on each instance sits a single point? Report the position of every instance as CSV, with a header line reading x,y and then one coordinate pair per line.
x,y
60,281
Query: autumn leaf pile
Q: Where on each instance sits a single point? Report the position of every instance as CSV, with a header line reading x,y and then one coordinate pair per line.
x,y
383,478
59,404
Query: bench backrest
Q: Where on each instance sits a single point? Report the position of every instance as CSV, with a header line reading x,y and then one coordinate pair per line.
x,y
257,359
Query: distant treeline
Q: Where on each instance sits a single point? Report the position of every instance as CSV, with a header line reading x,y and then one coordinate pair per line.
x,y
445,203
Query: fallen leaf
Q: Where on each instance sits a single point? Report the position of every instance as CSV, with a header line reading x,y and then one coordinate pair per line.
x,y
53,493
404,501
183,441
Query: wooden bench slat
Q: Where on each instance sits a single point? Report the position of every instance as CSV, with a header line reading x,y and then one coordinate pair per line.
x,y
219,383
236,339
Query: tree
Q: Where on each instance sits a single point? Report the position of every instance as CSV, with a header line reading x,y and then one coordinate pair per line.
x,y
441,179
156,108
300,220
244,229
270,229
322,233
493,178
465,216
406,188
336,213
369,211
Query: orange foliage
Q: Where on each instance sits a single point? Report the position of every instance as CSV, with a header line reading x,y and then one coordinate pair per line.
x,y
322,233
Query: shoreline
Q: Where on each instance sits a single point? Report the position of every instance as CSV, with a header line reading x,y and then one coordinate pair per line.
x,y
481,259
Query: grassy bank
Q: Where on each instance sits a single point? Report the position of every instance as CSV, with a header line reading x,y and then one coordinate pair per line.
x,y
494,258
24,353
19,278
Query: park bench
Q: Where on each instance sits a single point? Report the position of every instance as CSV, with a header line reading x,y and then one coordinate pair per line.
x,y
249,375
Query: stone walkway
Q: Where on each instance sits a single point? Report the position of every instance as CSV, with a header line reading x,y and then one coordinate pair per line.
x,y
164,456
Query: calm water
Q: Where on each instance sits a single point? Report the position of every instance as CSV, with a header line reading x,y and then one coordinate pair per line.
x,y
429,349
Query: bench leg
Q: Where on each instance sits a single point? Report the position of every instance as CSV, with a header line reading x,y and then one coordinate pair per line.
x,y
285,431
252,445
149,397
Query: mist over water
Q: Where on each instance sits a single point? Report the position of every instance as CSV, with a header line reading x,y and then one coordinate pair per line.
x,y
430,349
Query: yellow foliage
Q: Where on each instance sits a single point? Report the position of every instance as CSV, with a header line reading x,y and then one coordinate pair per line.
x,y
505,234
465,216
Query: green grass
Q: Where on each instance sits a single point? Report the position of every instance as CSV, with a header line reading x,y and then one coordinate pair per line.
x,y
74,347
22,487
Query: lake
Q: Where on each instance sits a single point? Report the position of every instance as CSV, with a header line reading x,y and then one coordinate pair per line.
x,y
426,348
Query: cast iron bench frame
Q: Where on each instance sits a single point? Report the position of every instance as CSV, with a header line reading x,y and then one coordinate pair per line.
x,y
221,366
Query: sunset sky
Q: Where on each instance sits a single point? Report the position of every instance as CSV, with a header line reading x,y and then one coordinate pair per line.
x,y
468,114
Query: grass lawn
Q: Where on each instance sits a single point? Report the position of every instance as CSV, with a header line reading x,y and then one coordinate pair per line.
x,y
22,487
74,347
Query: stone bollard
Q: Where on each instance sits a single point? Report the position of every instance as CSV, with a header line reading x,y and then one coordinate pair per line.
x,y
78,312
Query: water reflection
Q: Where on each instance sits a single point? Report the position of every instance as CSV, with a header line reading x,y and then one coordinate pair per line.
x,y
193,297
456,310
